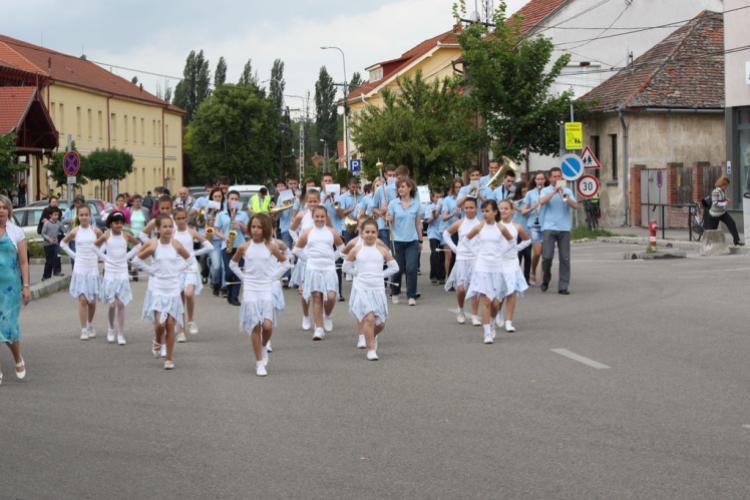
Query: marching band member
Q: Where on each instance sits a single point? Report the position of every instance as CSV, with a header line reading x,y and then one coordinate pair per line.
x,y
321,283
217,262
381,197
515,282
115,287
433,217
493,168
451,213
368,302
230,227
532,210
84,283
557,202
474,190
264,266
301,223
329,201
466,257
405,217
487,279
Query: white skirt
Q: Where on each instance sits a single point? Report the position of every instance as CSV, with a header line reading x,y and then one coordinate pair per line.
x,y
112,289
320,281
278,298
165,304
86,284
489,283
515,282
298,275
364,302
460,275
191,278
254,313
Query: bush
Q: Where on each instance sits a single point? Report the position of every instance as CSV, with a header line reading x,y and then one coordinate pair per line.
x,y
36,250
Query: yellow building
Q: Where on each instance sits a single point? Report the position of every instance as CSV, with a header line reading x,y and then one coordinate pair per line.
x,y
99,109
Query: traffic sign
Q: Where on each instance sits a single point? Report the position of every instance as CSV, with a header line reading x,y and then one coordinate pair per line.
x,y
71,163
571,166
355,165
588,186
72,179
588,159
574,135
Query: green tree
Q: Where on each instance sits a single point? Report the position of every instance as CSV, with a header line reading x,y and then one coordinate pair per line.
x,y
57,173
356,81
326,114
277,85
134,80
428,126
108,164
8,162
195,86
235,132
220,75
507,81
248,77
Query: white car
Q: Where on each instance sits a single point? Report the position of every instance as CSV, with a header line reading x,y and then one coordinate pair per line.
x,y
246,191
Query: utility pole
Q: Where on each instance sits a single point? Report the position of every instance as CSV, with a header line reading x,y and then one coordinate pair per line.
x,y
346,106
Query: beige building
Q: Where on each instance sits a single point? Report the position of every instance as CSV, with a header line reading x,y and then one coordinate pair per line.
x,y
99,109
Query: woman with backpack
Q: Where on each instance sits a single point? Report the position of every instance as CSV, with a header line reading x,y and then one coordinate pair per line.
x,y
718,210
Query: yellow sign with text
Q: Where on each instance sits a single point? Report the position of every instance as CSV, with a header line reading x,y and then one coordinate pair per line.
x,y
573,136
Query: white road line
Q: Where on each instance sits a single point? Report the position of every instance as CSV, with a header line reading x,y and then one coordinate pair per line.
x,y
746,426
581,359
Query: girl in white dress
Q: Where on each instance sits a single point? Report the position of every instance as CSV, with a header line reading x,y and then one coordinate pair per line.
x,y
264,266
515,282
163,304
84,283
487,279
368,302
316,247
301,223
466,258
115,288
190,279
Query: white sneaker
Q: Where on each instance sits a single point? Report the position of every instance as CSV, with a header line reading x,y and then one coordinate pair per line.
x,y
372,355
260,369
85,335
412,301
328,323
92,331
181,339
121,340
319,334
475,321
163,351
192,328
509,326
488,338
500,320
461,317
361,343
169,365
264,353
395,299
306,323
268,347
111,334
349,277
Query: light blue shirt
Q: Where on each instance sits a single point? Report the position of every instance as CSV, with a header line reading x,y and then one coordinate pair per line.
x,y
366,205
404,219
484,180
336,221
285,220
347,201
532,197
556,214
223,222
501,194
486,192
449,206
518,217
377,201
433,228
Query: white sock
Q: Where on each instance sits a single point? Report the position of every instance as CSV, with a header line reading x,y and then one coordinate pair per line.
x,y
88,324
259,364
84,330
264,351
487,329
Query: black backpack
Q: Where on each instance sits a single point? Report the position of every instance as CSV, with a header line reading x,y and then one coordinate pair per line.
x,y
707,202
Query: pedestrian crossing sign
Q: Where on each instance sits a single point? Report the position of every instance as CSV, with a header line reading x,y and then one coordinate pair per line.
x,y
573,136
588,159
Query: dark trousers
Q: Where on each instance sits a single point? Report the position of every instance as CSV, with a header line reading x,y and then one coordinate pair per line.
x,y
437,261
454,237
562,238
72,246
712,222
524,256
50,260
407,257
233,289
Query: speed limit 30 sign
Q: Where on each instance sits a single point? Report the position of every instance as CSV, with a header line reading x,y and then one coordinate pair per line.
x,y
588,186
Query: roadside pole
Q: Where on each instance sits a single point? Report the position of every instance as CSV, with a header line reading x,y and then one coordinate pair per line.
x,y
69,148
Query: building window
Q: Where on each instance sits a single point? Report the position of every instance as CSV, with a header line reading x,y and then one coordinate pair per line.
x,y
153,131
166,134
143,181
125,128
135,133
89,124
62,117
613,143
78,122
159,132
100,124
743,142
143,131
376,74
113,125
53,114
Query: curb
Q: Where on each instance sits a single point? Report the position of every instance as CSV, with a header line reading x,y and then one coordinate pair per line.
x,y
48,287
694,246
65,260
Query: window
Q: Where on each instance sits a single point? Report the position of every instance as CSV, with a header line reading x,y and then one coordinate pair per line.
x,y
135,134
78,121
113,125
125,128
143,131
159,132
53,114
62,117
166,134
89,124
153,131
143,181
376,74
595,149
100,125
613,142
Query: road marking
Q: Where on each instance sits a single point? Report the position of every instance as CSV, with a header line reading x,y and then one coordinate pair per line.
x,y
581,359
746,426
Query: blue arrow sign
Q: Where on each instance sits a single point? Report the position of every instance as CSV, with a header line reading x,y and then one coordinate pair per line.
x,y
571,166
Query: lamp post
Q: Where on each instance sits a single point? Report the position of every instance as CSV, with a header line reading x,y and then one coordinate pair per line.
x,y
346,106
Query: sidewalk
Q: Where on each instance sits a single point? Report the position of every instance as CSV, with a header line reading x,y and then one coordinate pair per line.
x,y
39,288
674,238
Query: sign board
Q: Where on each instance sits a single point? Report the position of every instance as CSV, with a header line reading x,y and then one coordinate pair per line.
x,y
588,159
574,135
729,168
71,179
71,163
588,186
571,166
355,165
660,178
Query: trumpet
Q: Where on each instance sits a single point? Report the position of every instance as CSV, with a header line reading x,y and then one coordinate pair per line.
x,y
497,179
275,211
232,233
563,195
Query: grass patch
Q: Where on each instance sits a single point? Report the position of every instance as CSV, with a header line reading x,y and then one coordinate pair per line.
x,y
36,250
583,232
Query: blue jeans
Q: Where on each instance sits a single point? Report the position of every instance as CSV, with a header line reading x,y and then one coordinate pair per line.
x,y
407,257
287,239
385,236
232,281
217,264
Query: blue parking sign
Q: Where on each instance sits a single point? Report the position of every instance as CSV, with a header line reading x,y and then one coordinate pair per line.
x,y
355,165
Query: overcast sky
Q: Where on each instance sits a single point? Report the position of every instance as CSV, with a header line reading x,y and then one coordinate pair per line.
x,y
157,36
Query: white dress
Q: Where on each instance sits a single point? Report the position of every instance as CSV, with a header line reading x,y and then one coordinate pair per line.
x,y
257,291
278,292
116,282
163,291
512,273
466,257
298,275
368,294
191,276
487,278
85,278
320,268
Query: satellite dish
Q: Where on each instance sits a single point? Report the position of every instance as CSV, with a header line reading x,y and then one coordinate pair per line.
x,y
474,17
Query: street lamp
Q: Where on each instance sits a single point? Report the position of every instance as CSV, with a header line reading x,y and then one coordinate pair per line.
x,y
325,155
346,105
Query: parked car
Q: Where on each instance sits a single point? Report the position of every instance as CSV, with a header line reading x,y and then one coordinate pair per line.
x,y
29,216
246,191
197,191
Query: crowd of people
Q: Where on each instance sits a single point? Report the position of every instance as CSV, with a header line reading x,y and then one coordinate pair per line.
x,y
479,238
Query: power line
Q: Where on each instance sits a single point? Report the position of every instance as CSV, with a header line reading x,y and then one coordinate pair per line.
x,y
586,11
627,6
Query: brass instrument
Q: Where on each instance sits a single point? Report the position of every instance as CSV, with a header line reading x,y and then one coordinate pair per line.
x,y
232,233
563,195
198,219
497,180
275,211
350,223
209,226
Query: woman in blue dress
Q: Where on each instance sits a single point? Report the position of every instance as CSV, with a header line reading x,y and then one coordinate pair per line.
x,y
14,283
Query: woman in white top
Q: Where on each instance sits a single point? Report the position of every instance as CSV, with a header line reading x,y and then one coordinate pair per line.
x,y
84,283
368,302
264,266
321,284
466,257
190,279
301,223
515,281
487,278
163,304
115,287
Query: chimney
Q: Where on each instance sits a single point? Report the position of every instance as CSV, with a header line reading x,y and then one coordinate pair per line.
x,y
49,64
141,87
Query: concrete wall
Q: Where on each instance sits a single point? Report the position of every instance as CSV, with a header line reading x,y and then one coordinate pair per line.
x,y
735,35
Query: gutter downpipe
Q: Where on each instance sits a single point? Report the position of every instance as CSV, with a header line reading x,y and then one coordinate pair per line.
x,y
163,152
109,130
625,167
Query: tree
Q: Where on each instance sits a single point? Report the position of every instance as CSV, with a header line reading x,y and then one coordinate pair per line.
x,y
277,85
326,114
235,132
134,80
220,75
8,162
509,84
57,173
356,81
247,77
167,92
427,126
195,86
108,164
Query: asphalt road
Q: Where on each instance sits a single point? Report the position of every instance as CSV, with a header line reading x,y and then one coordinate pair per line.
x,y
440,416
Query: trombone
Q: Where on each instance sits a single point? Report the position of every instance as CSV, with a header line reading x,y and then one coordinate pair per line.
x,y
497,180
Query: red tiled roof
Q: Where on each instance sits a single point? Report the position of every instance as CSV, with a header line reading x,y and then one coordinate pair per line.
x,y
73,70
685,70
536,11
14,104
